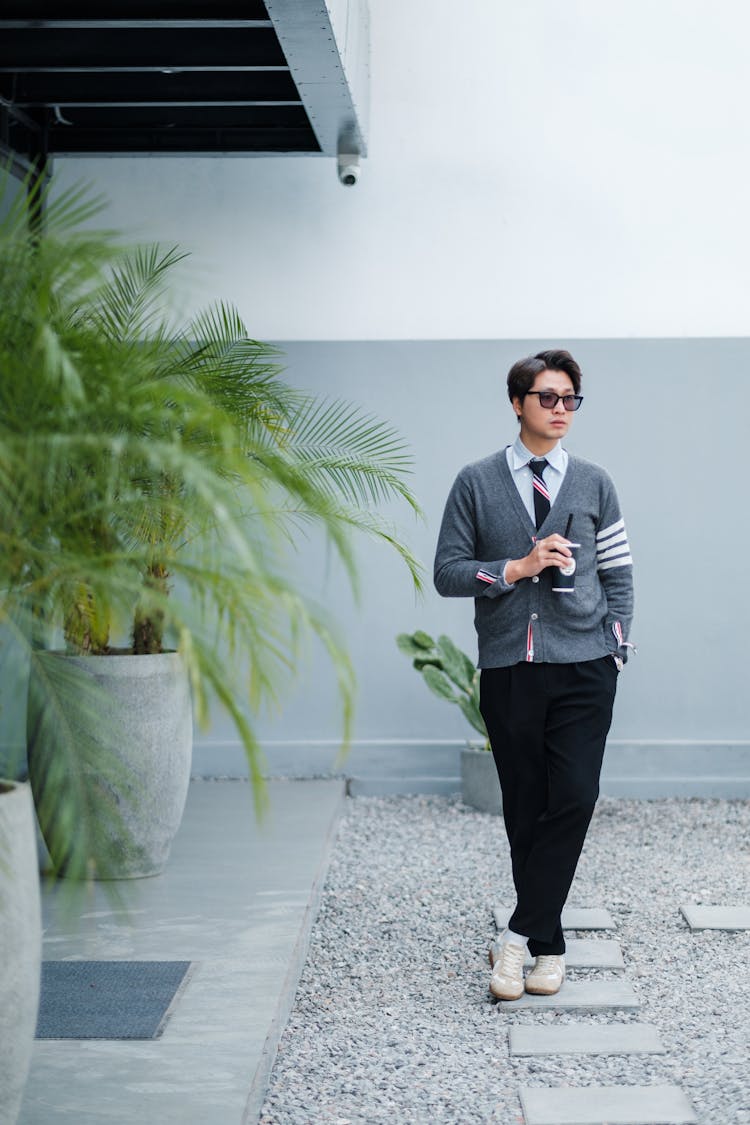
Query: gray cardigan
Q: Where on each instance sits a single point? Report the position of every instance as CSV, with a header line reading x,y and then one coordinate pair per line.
x,y
486,523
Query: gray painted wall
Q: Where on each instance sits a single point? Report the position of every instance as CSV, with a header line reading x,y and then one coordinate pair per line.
x,y
10,192
667,418
13,663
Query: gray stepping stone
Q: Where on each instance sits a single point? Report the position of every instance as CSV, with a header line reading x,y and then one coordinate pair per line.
x,y
586,1039
581,995
593,953
606,1105
717,917
573,918
587,953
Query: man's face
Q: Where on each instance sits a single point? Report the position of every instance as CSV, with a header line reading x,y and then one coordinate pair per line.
x,y
540,427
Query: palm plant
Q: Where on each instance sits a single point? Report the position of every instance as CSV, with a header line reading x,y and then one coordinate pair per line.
x,y
153,474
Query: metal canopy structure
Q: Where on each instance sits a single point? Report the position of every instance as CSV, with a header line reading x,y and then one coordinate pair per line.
x,y
176,77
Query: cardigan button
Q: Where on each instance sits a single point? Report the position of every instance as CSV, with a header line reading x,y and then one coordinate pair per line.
x,y
535,617
535,578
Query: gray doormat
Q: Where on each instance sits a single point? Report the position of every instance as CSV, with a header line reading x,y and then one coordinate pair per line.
x,y
108,999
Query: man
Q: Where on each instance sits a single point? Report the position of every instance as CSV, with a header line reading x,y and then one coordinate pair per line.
x,y
549,660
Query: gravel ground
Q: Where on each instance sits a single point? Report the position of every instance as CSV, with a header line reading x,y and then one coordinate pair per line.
x,y
393,1022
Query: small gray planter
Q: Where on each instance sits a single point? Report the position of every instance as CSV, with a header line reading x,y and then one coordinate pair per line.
x,y
138,740
480,787
20,943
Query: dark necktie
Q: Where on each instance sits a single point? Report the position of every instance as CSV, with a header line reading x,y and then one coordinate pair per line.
x,y
541,492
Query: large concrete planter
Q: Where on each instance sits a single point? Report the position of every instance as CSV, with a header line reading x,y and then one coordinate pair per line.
x,y
20,944
480,787
139,731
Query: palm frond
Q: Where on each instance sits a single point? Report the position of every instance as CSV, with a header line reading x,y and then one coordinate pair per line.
x,y
359,457
132,306
133,444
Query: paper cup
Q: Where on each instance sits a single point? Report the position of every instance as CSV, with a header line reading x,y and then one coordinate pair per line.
x,y
564,581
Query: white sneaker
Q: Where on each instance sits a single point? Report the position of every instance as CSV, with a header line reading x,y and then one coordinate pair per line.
x,y
546,978
496,945
506,982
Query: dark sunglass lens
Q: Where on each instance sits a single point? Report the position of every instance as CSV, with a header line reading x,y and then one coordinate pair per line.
x,y
572,402
548,399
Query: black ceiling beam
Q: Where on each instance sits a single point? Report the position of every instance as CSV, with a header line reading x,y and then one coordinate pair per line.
x,y
49,26
134,10
182,76
174,142
35,49
170,117
152,87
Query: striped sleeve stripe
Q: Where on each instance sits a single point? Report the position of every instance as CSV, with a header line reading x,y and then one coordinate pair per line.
x,y
485,576
623,560
618,537
612,547
607,531
620,549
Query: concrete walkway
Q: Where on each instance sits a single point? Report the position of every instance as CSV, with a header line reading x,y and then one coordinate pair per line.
x,y
238,900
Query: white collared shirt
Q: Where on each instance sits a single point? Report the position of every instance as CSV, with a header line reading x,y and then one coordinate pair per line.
x,y
518,462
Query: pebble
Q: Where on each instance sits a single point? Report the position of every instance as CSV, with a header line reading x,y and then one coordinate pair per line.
x,y
392,1020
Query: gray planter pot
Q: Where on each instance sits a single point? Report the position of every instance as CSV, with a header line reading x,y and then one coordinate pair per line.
x,y
480,787
20,944
136,739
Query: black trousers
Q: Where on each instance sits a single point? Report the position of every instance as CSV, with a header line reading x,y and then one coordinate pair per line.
x,y
548,725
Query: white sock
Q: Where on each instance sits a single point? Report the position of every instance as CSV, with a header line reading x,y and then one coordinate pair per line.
x,y
515,939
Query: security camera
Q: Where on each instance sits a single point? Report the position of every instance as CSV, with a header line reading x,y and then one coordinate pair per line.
x,y
348,168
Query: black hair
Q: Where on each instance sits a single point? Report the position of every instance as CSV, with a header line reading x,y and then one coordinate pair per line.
x,y
523,373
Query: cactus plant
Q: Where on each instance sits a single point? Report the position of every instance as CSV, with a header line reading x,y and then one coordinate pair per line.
x,y
448,672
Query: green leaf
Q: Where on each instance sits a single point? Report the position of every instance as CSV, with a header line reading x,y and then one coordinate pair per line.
x,y
409,646
456,663
424,640
439,683
472,713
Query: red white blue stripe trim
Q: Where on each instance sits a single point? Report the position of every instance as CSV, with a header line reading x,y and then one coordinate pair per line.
x,y
617,631
529,645
485,576
540,486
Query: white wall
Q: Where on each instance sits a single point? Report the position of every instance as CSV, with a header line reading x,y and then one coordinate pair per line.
x,y
536,169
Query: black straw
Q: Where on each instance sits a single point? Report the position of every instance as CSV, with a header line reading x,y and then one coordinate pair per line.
x,y
567,525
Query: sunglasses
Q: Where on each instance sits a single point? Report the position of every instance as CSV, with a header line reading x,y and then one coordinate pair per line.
x,y
549,400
